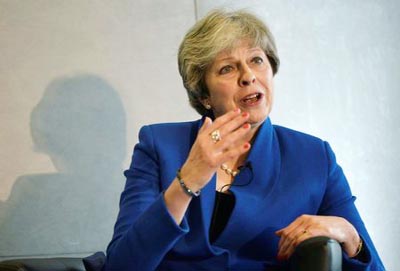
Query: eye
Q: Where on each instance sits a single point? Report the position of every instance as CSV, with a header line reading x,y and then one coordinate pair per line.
x,y
257,60
225,69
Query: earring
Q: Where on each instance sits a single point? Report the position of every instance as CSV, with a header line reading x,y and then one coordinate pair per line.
x,y
207,106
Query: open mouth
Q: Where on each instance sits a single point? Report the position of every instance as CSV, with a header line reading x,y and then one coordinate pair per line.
x,y
252,99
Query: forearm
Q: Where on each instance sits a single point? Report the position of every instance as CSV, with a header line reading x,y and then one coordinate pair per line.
x,y
371,260
176,201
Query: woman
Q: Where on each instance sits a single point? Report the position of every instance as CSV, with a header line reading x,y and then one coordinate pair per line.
x,y
232,191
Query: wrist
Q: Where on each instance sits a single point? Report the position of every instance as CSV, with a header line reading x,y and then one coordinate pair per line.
x,y
185,187
191,177
177,201
358,249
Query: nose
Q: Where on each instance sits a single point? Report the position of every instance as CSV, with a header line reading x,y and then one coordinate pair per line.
x,y
247,78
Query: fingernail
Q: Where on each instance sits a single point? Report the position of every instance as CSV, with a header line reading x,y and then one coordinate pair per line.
x,y
245,114
246,126
246,145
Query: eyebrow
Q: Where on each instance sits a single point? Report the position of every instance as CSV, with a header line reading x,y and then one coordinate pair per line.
x,y
251,50
255,49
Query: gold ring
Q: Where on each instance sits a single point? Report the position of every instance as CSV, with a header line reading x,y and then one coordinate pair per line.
x,y
215,136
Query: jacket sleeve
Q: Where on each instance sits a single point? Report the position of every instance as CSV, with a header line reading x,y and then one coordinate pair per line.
x,y
144,231
339,201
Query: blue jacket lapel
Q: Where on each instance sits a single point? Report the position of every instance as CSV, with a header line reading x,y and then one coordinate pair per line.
x,y
251,189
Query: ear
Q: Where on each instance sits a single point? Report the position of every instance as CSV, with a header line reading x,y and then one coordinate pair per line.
x,y
206,103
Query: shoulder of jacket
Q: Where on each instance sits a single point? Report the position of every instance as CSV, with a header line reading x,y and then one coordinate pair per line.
x,y
300,141
164,129
284,132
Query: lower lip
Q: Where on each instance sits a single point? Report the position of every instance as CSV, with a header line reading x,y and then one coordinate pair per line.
x,y
255,103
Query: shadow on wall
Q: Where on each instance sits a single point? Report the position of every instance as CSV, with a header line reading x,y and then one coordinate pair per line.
x,y
80,124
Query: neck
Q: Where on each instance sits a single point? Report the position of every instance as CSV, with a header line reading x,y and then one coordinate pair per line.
x,y
250,137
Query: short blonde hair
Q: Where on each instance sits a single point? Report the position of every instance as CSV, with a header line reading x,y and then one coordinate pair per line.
x,y
218,31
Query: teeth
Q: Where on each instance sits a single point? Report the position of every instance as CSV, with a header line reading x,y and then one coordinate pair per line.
x,y
251,96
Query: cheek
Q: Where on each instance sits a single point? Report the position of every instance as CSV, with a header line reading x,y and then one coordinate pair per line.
x,y
271,91
268,85
221,92
222,99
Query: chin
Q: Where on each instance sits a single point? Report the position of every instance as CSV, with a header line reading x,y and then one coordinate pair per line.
x,y
259,115
256,122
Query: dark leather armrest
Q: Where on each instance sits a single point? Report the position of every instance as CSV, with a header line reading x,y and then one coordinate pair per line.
x,y
43,264
317,254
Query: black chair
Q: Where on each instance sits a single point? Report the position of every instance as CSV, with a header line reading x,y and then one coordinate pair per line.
x,y
315,254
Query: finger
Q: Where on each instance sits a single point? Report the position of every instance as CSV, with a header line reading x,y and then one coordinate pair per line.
x,y
284,245
291,230
232,125
301,238
301,220
290,242
290,234
235,138
207,123
223,119
233,152
289,238
306,234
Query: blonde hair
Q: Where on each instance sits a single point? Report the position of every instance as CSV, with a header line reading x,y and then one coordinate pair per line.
x,y
219,30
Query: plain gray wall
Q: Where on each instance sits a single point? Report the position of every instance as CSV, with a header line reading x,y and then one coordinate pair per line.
x,y
74,74
78,79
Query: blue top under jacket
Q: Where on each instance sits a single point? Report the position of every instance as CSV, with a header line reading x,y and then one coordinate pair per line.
x,y
288,174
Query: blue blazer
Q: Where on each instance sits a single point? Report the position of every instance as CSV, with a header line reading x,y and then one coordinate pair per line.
x,y
288,174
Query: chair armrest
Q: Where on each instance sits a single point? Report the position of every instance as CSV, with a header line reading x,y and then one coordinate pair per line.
x,y
317,254
43,264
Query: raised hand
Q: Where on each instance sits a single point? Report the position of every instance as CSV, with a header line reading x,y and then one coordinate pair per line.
x,y
217,142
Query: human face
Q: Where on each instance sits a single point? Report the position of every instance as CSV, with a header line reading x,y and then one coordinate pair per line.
x,y
241,78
